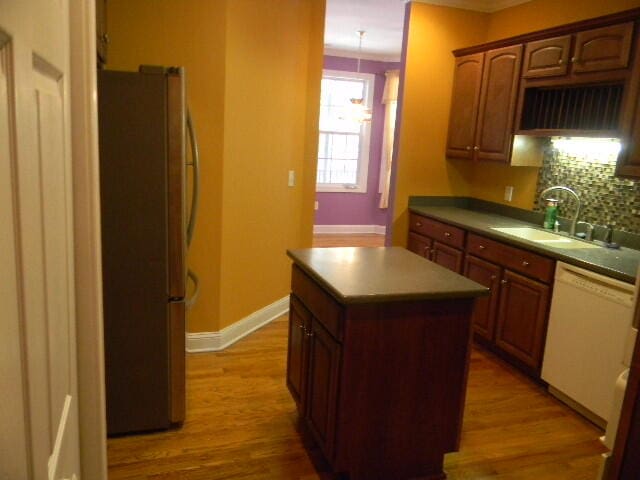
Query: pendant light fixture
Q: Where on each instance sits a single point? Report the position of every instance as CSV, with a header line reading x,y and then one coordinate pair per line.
x,y
360,112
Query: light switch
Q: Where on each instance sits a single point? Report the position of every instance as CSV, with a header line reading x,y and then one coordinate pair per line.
x,y
292,178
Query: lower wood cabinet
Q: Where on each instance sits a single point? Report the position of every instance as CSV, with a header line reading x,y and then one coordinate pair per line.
x,y
522,318
379,386
437,241
484,314
513,318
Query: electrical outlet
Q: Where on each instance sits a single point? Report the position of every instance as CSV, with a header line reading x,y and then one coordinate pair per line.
x,y
316,205
508,193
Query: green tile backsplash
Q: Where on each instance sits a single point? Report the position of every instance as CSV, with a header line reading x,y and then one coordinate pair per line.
x,y
606,199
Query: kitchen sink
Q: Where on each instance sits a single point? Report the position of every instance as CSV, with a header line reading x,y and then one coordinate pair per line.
x,y
544,237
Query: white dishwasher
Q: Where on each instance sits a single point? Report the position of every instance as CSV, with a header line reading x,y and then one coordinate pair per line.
x,y
589,321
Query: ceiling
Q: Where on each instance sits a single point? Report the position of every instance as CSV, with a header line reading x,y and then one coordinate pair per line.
x,y
382,20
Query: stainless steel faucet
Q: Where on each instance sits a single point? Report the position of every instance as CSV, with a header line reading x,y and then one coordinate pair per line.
x,y
574,222
589,230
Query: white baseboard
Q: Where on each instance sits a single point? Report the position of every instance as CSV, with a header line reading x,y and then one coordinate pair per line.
x,y
216,341
350,229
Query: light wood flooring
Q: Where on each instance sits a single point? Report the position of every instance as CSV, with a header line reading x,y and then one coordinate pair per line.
x,y
360,240
241,425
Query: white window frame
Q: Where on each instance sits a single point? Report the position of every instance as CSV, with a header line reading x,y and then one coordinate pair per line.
x,y
365,135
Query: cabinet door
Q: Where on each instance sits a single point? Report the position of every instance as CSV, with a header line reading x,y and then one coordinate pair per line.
x,y
500,79
546,58
447,256
484,312
604,48
419,244
522,317
297,353
464,105
324,364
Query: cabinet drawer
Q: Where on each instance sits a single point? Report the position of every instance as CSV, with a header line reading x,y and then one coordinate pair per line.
x,y
437,230
522,261
321,305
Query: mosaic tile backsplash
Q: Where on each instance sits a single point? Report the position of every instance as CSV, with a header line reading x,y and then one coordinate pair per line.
x,y
606,199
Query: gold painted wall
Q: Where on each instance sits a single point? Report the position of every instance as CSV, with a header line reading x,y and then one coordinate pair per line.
x,y
422,168
253,72
489,180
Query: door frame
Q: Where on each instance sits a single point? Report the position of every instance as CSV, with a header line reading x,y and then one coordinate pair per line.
x,y
88,248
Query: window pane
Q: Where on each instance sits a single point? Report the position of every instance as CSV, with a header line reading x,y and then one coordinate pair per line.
x,y
338,158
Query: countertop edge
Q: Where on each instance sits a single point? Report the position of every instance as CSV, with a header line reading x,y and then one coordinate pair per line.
x,y
521,243
382,298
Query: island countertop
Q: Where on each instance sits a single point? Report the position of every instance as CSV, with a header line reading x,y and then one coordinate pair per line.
x,y
384,274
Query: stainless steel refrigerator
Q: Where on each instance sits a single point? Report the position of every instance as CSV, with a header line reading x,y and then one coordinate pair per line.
x,y
143,123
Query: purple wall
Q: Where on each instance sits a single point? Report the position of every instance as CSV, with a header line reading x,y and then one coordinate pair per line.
x,y
359,208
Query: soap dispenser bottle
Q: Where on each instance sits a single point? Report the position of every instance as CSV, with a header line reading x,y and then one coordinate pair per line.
x,y
550,213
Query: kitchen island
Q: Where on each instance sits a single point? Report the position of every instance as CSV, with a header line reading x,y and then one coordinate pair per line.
x,y
378,358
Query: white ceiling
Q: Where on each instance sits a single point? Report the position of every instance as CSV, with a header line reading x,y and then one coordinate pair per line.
x,y
382,20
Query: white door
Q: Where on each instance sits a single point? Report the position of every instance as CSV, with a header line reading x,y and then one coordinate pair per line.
x,y
38,393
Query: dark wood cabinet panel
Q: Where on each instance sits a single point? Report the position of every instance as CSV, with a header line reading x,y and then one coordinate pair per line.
x,y
464,106
522,315
324,361
546,58
419,244
484,312
297,353
436,230
500,80
447,256
605,48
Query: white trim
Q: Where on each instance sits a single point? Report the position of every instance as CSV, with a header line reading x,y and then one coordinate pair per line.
x,y
486,6
216,341
377,57
349,229
365,134
88,256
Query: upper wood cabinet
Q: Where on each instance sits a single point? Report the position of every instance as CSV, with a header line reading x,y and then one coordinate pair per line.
x,y
465,100
483,106
500,77
546,58
605,48
595,50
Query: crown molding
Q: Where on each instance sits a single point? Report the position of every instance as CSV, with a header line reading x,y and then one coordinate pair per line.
x,y
486,6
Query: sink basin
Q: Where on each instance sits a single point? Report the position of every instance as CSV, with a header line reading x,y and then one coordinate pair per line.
x,y
544,237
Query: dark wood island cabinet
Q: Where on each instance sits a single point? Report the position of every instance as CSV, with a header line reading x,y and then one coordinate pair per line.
x,y
378,357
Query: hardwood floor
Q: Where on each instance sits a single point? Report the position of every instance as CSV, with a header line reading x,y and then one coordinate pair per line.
x,y
241,425
361,240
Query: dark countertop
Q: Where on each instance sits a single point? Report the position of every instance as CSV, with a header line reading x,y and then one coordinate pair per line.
x,y
621,264
384,274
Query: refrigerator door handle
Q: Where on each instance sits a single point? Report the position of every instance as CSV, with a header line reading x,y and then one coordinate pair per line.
x,y
195,191
195,198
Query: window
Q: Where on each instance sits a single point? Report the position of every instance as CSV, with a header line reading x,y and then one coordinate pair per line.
x,y
343,150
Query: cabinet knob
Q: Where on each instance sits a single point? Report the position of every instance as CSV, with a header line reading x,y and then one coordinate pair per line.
x,y
560,62
493,277
468,147
301,327
309,334
574,59
105,39
447,234
525,263
476,148
481,247
503,282
418,224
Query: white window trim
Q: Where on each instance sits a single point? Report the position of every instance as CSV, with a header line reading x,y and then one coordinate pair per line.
x,y
363,164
